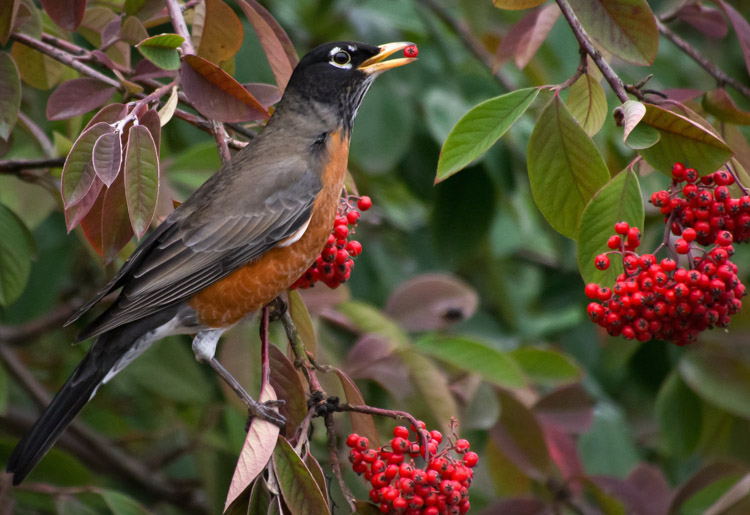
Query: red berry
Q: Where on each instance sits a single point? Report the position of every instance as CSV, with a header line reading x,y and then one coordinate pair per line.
x,y
682,246
411,51
622,227
352,440
678,171
601,262
352,217
462,445
364,203
341,232
471,459
614,242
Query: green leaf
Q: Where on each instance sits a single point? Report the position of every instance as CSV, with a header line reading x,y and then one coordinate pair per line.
x,y
620,199
642,136
625,28
587,103
721,378
480,128
565,168
36,69
10,95
141,178
496,367
683,140
298,487
17,247
608,447
121,504
679,413
545,366
432,390
371,320
302,321
162,50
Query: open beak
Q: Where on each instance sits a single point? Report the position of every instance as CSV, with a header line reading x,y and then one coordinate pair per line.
x,y
377,64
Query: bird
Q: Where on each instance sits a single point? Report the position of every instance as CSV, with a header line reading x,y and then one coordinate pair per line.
x,y
235,244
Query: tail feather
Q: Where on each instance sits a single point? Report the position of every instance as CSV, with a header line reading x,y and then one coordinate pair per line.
x,y
109,353
76,392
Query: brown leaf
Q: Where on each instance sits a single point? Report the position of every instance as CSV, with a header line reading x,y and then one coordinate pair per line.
x,y
287,385
720,104
741,28
432,301
107,157
701,479
266,94
145,69
150,119
525,37
77,96
563,451
362,423
279,50
110,114
215,94
116,230
222,34
257,450
92,223
8,12
133,31
569,407
66,13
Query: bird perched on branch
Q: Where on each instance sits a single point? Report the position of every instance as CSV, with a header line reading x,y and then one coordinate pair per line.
x,y
242,238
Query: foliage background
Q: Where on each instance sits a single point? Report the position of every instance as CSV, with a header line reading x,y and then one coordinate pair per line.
x,y
634,422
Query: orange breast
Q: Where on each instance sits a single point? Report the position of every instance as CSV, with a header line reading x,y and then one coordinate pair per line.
x,y
251,287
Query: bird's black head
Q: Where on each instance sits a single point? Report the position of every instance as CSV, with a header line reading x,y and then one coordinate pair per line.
x,y
337,75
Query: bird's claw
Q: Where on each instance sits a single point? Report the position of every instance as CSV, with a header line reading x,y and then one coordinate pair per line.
x,y
267,411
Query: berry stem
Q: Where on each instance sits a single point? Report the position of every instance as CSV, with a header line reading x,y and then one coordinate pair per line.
x,y
395,414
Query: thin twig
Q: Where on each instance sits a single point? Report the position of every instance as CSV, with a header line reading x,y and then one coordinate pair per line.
x,y
33,328
717,73
334,457
470,41
585,42
13,166
178,22
65,58
582,67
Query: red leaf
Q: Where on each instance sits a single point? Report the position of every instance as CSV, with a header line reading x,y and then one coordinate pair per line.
x,y
682,95
563,451
214,92
282,57
708,20
92,224
110,114
107,157
76,97
741,28
569,407
78,173
66,13
116,230
257,450
145,69
75,213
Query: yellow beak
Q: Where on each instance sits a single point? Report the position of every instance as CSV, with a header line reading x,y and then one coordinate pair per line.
x,y
376,63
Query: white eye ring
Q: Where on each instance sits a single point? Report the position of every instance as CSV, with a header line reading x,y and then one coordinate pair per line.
x,y
340,58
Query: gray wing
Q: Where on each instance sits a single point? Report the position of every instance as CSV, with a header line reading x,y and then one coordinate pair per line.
x,y
204,241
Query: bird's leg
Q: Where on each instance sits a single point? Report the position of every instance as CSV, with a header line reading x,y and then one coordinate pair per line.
x,y
277,309
204,347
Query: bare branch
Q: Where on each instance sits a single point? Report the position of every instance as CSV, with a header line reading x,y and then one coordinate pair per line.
x,y
178,21
586,44
335,466
717,73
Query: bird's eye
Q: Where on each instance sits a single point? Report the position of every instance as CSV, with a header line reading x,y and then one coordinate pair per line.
x,y
341,58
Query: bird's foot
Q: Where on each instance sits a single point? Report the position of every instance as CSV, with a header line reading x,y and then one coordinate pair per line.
x,y
266,411
276,309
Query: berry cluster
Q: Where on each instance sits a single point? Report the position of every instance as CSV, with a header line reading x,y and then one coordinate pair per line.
x,y
334,264
703,208
441,487
661,299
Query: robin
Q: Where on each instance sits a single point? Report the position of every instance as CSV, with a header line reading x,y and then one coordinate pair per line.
x,y
238,241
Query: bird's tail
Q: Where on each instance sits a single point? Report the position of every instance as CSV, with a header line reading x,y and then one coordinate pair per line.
x,y
71,398
109,353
